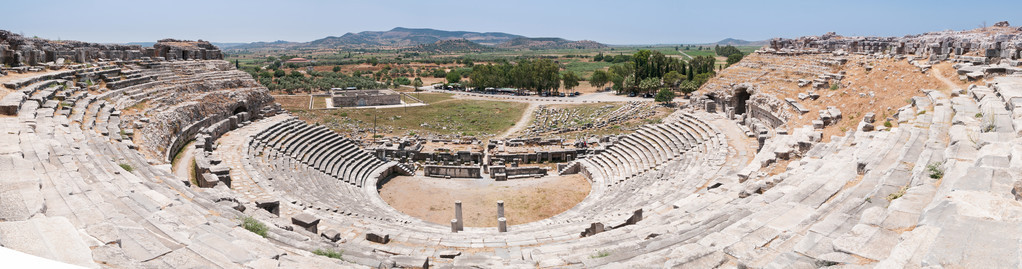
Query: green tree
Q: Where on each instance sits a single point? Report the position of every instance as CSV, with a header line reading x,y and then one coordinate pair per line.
x,y
417,83
279,73
608,58
673,79
649,85
547,75
618,83
570,80
628,84
700,79
665,95
598,57
734,58
337,68
688,87
453,77
599,78
726,51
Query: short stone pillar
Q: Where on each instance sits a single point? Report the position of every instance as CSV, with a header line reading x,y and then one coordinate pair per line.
x,y
306,221
454,225
457,215
502,225
378,238
500,209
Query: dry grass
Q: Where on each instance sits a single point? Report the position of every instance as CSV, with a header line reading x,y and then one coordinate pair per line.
x,y
319,102
293,102
892,82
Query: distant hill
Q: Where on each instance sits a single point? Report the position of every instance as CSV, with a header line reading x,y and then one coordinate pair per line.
x,y
401,37
453,45
739,42
549,43
279,44
395,38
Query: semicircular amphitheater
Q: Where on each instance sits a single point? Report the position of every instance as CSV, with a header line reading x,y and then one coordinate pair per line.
x,y
907,162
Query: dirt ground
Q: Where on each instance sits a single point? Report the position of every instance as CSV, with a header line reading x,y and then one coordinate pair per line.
x,y
525,200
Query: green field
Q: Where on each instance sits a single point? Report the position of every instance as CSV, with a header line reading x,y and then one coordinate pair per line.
x,y
585,69
462,117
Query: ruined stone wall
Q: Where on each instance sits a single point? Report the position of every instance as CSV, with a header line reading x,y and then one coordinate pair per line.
x,y
789,59
192,106
17,50
367,98
453,171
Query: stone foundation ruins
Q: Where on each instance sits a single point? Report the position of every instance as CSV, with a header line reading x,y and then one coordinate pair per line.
x,y
729,181
350,98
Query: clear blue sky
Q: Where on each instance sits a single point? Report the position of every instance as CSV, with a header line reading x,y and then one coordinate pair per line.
x,y
612,22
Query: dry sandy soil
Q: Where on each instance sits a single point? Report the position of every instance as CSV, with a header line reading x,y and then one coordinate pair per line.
x,y
525,200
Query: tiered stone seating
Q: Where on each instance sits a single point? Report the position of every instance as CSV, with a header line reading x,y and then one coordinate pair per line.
x,y
321,149
70,187
648,148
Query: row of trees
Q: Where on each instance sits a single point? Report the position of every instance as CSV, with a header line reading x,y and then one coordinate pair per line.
x,y
541,75
316,81
726,51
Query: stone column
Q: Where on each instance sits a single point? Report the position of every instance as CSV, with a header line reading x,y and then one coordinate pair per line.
x,y
457,215
502,225
454,225
500,209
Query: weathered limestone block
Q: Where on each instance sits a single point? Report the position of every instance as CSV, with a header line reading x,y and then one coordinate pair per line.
x,y
378,238
306,221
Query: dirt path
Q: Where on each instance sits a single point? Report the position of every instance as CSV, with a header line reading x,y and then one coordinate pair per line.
x,y
686,55
182,166
522,122
525,200
937,74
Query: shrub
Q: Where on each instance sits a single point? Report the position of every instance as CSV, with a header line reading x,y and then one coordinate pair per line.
x,y
935,171
328,253
254,226
835,86
979,115
126,167
887,124
897,194
601,254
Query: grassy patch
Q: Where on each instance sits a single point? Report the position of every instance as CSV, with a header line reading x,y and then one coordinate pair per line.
x,y
333,254
600,254
897,194
178,155
319,102
126,167
254,226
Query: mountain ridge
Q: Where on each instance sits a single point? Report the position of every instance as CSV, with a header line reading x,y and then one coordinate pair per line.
x,y
424,39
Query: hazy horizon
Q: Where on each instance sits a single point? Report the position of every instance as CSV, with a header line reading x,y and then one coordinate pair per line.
x,y
607,22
